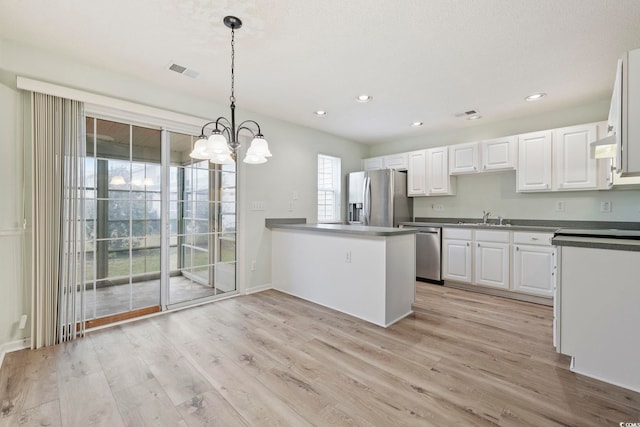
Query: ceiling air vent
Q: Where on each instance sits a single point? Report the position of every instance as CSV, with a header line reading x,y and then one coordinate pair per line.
x,y
184,70
466,113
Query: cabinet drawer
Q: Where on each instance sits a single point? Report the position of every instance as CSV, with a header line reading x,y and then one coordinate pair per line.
x,y
492,236
457,233
525,238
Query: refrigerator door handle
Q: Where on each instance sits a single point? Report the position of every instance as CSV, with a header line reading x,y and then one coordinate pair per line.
x,y
366,198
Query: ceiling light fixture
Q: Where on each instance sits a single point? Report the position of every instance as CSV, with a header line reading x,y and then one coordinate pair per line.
x,y
535,96
364,98
320,113
222,149
474,117
416,124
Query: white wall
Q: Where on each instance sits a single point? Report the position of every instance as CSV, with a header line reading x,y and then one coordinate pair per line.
x,y
14,295
292,168
496,192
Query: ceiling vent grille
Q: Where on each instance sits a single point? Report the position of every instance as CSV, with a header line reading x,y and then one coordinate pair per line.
x,y
184,70
466,113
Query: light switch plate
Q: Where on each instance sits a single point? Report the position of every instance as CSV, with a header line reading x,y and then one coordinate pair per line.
x,y
605,207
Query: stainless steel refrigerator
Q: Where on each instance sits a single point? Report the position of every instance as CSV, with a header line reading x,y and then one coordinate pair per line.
x,y
378,198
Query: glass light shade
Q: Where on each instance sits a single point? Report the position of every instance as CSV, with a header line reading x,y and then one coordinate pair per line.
x,y
222,159
218,144
259,147
254,159
200,151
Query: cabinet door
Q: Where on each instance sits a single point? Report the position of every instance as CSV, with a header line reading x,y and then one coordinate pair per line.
x,y
575,168
416,173
456,260
534,269
499,154
492,264
373,163
534,161
438,179
396,161
463,158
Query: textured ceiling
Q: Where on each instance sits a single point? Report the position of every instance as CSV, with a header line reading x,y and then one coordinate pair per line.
x,y
423,60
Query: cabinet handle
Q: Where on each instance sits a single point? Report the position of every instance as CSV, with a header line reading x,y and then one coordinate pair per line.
x,y
610,128
474,168
534,238
478,244
467,243
517,248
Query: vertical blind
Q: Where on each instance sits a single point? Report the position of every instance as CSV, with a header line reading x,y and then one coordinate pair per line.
x,y
58,220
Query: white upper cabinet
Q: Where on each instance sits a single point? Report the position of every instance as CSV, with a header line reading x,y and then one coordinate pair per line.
x,y
392,161
417,173
498,154
626,114
534,161
396,161
575,168
373,163
463,158
439,182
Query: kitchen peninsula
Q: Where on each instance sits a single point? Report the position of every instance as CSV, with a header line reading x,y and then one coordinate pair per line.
x,y
367,272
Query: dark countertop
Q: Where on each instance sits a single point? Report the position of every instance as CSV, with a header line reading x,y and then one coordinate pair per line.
x,y
588,234
597,243
358,230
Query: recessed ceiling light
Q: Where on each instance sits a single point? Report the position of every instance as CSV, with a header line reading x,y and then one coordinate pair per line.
x,y
416,124
474,117
535,96
364,98
320,113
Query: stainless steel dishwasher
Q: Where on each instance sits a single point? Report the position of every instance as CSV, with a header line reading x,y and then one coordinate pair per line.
x,y
429,254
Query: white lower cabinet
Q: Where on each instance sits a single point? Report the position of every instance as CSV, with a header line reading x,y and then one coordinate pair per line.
x,y
534,264
492,259
488,258
456,254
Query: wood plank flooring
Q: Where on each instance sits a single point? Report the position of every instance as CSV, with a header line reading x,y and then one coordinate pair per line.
x,y
271,359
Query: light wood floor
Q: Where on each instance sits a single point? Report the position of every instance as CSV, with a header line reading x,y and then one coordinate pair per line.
x,y
271,359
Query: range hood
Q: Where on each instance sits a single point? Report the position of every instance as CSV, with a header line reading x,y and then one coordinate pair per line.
x,y
604,148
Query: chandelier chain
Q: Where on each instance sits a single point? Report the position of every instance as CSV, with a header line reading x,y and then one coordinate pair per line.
x,y
232,98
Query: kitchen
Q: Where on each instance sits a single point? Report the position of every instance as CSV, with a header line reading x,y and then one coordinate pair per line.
x,y
271,184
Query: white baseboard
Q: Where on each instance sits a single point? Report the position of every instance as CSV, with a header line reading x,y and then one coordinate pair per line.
x,y
261,288
11,346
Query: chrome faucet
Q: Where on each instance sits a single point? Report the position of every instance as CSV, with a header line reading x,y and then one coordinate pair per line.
x,y
485,216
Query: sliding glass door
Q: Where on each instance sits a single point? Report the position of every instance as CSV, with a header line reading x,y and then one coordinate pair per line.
x,y
202,232
128,190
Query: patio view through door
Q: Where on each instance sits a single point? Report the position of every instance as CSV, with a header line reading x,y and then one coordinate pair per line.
x,y
144,203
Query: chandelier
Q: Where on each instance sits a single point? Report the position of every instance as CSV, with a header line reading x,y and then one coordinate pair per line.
x,y
222,145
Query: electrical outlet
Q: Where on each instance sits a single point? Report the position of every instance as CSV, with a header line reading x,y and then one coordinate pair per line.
x,y
438,208
347,258
258,206
253,265
560,206
605,207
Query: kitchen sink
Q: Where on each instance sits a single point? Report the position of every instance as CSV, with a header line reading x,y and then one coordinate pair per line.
x,y
482,224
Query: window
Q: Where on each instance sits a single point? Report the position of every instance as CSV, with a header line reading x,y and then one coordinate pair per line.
x,y
328,188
